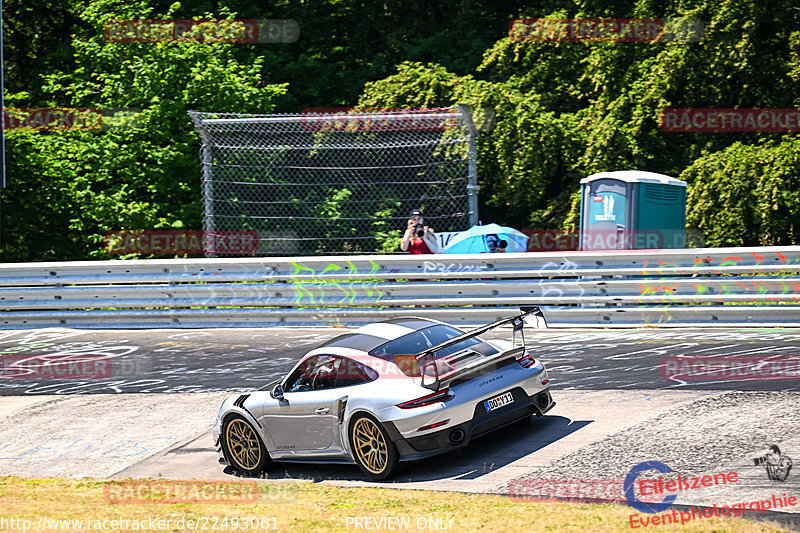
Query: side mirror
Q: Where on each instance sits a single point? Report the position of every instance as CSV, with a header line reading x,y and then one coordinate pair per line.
x,y
277,392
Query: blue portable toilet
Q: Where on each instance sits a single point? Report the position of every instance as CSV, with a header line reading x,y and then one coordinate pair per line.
x,y
632,209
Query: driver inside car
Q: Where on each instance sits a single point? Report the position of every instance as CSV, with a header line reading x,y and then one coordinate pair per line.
x,y
317,373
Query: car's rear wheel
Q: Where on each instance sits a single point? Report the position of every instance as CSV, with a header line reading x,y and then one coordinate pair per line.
x,y
243,447
373,450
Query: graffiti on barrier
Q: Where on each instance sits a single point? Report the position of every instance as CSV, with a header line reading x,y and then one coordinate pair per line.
x,y
339,284
436,267
784,287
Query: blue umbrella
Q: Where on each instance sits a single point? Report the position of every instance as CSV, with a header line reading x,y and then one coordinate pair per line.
x,y
481,239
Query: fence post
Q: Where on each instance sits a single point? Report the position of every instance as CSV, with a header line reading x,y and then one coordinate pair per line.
x,y
208,180
472,183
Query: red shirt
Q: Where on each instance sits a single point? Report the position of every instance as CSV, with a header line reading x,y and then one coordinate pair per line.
x,y
418,246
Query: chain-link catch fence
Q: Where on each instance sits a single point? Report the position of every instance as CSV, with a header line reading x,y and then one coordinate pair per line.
x,y
337,181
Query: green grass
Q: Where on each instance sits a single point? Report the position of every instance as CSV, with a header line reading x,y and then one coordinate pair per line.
x,y
305,506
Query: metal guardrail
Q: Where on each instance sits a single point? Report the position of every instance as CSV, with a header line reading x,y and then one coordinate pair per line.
x,y
724,286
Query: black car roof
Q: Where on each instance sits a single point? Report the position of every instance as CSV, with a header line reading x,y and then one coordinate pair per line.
x,y
366,342
357,341
410,322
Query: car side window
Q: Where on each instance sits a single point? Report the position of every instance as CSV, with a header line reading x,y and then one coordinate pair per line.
x,y
325,373
328,372
350,372
300,379
315,373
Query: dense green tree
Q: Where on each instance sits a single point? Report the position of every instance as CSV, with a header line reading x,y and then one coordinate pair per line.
x,y
747,195
564,110
36,40
345,43
569,109
68,188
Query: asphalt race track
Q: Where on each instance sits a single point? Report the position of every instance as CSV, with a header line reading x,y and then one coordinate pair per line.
x,y
172,361
623,397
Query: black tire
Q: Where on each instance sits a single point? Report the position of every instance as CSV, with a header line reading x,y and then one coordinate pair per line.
x,y
242,447
373,450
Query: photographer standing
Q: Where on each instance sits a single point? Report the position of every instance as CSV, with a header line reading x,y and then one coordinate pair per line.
x,y
419,238
495,244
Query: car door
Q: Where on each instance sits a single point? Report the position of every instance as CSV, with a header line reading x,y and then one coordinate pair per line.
x,y
303,421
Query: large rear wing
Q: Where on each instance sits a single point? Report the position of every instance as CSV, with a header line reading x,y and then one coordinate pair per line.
x,y
436,375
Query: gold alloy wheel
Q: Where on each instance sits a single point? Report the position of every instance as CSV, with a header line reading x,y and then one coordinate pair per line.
x,y
370,445
243,444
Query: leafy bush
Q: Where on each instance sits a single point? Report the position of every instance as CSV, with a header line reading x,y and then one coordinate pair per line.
x,y
747,195
68,188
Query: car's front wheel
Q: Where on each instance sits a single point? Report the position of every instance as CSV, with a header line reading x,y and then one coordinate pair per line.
x,y
243,448
373,450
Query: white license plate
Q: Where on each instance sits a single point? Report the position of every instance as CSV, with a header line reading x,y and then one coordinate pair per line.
x,y
500,401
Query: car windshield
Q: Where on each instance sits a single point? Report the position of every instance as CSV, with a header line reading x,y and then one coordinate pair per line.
x,y
423,339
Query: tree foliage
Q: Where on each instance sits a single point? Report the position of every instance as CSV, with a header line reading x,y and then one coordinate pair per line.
x,y
747,195
66,189
564,109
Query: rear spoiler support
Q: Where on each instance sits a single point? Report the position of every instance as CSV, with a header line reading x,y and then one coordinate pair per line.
x,y
425,358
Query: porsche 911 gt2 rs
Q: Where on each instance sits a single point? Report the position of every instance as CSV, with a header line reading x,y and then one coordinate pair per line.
x,y
389,392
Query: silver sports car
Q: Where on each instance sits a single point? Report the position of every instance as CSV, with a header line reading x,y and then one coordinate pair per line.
x,y
389,392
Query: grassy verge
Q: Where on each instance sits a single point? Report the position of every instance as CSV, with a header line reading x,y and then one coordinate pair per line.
x,y
301,507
